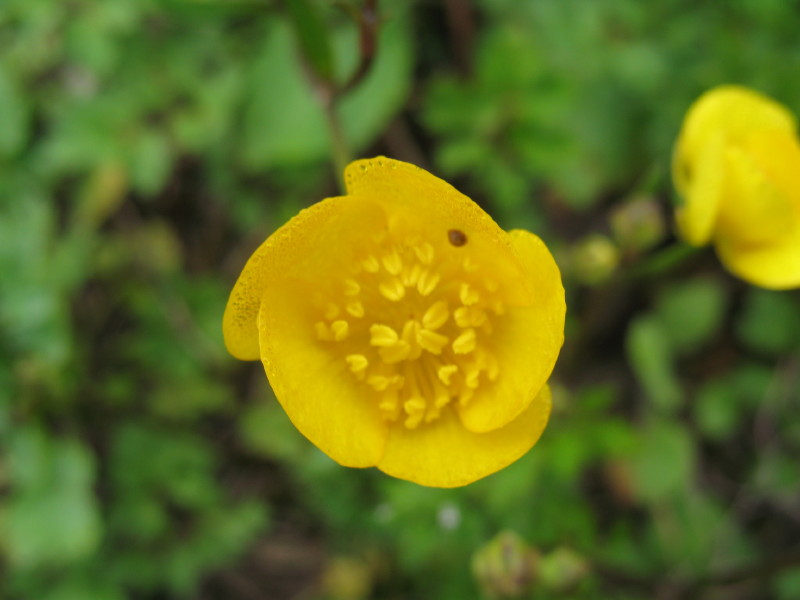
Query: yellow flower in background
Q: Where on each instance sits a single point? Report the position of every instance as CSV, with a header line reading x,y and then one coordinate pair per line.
x,y
401,328
737,168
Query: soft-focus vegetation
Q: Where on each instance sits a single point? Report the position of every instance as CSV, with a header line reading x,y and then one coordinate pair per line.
x,y
146,148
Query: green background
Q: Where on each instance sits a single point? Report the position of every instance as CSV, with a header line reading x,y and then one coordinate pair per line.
x,y
147,148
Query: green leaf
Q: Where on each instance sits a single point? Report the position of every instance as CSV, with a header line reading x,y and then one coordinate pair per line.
x,y
52,517
14,116
648,351
770,322
691,312
716,410
283,123
665,461
312,34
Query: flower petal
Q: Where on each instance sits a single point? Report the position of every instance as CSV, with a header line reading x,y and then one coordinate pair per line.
x,y
720,117
527,343
407,192
444,454
315,387
774,266
762,193
295,245
702,192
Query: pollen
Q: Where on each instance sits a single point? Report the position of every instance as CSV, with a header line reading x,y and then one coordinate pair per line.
x,y
418,326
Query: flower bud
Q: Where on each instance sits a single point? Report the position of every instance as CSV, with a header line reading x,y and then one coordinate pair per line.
x,y
638,224
594,259
562,569
505,566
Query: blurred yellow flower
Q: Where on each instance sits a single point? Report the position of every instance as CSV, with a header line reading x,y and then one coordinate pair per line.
x,y
737,168
401,328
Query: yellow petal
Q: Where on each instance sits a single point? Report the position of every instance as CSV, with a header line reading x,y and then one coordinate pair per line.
x,y
288,250
702,192
774,266
444,454
720,118
316,388
526,342
761,201
407,192
732,111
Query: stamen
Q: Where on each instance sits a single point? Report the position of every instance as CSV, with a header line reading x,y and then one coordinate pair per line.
x,y
371,264
331,311
356,309
471,377
427,282
470,265
465,343
351,287
378,382
430,340
382,336
392,289
358,363
393,263
410,333
436,315
469,316
445,372
411,275
340,330
468,295
395,353
390,404
415,409
424,253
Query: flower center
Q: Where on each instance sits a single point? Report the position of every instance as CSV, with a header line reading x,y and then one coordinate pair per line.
x,y
412,323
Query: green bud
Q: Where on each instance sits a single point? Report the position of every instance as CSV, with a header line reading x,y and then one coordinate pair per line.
x,y
638,224
505,566
594,259
562,569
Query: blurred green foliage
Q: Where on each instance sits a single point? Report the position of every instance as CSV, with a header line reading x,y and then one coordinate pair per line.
x,y
146,148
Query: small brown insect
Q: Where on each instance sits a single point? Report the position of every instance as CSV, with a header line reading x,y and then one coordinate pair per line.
x,y
457,237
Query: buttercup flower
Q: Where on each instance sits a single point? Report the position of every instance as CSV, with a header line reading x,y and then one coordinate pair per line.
x,y
737,167
401,328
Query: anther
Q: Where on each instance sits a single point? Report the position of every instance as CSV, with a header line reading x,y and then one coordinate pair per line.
x,y
392,289
382,336
411,275
464,343
356,309
331,311
430,340
468,295
351,287
444,373
469,316
379,383
358,363
436,315
393,263
340,330
395,353
424,253
371,264
427,282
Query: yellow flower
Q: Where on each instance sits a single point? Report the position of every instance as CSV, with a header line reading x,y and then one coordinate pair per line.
x,y
401,328
737,167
